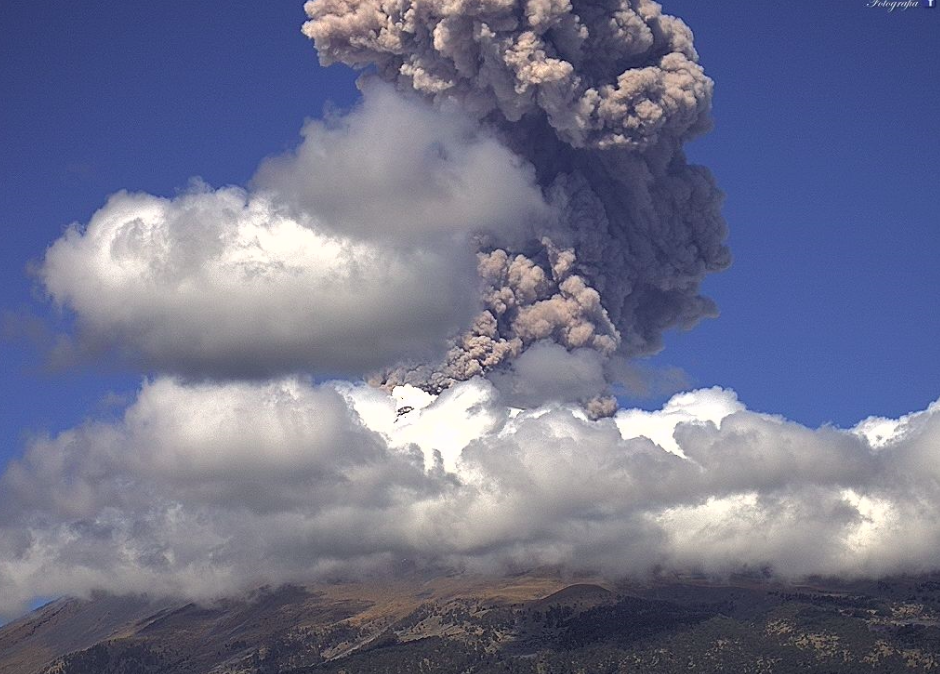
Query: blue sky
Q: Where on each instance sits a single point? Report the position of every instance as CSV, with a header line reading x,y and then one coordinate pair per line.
x,y
825,143
827,150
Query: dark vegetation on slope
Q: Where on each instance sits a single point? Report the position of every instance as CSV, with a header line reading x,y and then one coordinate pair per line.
x,y
525,625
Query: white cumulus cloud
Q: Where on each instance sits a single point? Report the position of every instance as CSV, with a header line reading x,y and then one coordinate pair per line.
x,y
204,489
348,255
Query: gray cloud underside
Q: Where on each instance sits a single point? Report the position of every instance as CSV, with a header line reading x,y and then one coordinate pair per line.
x,y
206,489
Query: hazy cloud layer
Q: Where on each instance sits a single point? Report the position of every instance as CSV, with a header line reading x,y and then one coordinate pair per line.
x,y
206,489
345,256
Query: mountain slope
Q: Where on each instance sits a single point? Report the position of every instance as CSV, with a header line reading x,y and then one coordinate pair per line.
x,y
527,624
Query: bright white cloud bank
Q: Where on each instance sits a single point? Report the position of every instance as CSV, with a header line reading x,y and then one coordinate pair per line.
x,y
348,255
205,489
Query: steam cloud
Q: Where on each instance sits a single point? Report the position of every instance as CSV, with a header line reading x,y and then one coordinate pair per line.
x,y
207,489
598,97
512,223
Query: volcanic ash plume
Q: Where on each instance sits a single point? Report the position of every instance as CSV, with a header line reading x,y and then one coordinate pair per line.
x,y
599,97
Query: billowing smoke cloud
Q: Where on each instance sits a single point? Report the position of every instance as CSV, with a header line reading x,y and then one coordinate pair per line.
x,y
208,489
599,97
514,223
539,194
353,252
